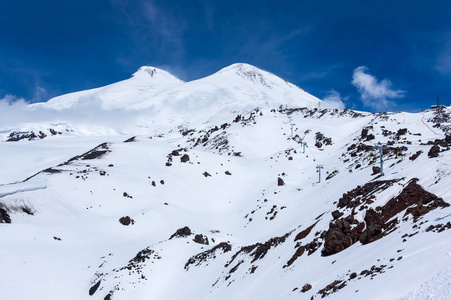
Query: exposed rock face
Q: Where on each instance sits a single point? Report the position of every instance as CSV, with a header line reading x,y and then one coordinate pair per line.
x,y
94,288
182,232
202,257
413,199
4,217
201,239
306,288
434,151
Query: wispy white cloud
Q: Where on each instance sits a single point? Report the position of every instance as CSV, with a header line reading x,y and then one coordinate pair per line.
x,y
375,94
443,64
333,100
39,95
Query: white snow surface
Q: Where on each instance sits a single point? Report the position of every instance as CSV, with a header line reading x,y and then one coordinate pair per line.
x,y
65,201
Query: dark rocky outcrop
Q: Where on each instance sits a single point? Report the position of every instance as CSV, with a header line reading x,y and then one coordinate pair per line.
x,y
306,287
202,257
280,182
259,250
94,288
4,216
182,232
131,140
184,158
201,239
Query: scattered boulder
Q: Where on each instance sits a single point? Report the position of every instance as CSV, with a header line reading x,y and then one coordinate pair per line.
x,y
126,221
280,182
228,173
206,174
434,151
201,239
376,170
184,158
306,288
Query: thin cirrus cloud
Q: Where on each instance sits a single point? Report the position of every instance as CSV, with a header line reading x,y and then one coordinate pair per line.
x,y
373,93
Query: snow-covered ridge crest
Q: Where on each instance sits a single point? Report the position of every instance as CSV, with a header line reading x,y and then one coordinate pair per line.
x,y
155,75
255,75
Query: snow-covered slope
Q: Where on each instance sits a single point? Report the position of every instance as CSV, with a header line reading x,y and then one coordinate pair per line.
x,y
233,209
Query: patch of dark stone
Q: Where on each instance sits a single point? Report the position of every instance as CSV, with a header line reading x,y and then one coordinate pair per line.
x,y
338,284
280,182
27,210
228,173
135,265
182,232
16,136
94,288
438,146
355,149
204,256
176,152
439,227
4,216
331,175
94,153
310,248
306,287
201,239
364,134
364,194
51,171
54,132
380,221
259,250
441,118
272,213
322,140
126,195
206,174
332,288
126,221
415,155
131,140
316,113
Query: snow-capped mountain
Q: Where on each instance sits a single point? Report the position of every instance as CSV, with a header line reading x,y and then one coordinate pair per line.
x,y
161,97
262,201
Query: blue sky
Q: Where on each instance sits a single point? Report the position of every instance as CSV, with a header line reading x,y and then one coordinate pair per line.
x,y
373,54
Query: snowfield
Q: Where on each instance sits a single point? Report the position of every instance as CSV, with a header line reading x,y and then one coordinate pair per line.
x,y
205,193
